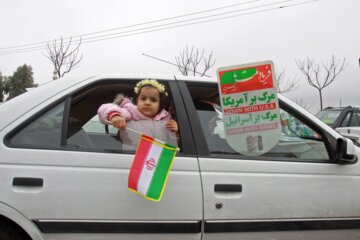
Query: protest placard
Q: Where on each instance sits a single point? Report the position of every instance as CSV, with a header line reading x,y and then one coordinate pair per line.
x,y
250,107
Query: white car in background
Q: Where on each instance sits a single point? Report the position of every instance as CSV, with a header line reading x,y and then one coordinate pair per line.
x,y
63,175
350,132
345,120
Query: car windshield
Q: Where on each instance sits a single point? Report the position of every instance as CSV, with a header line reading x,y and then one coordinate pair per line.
x,y
328,117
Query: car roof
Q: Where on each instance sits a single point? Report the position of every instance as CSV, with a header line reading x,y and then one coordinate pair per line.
x,y
341,108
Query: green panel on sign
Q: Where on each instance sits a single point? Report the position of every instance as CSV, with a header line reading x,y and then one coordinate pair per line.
x,y
237,76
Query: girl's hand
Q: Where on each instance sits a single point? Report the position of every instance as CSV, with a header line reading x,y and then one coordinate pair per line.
x,y
172,126
118,122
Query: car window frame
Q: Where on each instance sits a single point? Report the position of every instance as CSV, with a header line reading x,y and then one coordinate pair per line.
x,y
188,147
200,141
31,119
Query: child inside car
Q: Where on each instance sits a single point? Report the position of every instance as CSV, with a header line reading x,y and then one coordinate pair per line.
x,y
147,115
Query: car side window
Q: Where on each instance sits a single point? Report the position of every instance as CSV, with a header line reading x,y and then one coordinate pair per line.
x,y
95,135
297,142
358,117
345,122
43,132
354,120
86,132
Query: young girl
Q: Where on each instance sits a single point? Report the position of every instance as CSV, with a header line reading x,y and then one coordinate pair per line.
x,y
147,115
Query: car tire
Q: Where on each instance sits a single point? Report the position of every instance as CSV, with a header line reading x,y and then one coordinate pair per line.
x,y
8,232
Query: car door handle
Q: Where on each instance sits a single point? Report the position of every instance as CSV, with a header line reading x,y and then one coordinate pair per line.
x,y
229,188
28,182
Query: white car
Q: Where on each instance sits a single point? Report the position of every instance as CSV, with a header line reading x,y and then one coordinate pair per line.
x,y
345,120
350,132
62,176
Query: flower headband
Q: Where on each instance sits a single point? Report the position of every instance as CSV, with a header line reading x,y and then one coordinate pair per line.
x,y
152,82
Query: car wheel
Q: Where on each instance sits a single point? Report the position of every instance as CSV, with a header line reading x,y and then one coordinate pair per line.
x,y
8,232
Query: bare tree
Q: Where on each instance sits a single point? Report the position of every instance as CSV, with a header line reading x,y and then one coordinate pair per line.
x,y
63,56
321,79
188,62
285,86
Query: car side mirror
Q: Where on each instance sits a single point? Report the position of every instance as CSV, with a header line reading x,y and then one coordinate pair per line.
x,y
345,151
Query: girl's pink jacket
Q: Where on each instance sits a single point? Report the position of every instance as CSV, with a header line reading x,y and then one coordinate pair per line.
x,y
127,110
154,127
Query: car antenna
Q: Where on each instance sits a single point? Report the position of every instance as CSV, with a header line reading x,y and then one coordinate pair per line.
x,y
146,55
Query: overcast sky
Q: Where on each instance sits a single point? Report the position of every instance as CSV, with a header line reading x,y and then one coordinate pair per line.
x,y
317,29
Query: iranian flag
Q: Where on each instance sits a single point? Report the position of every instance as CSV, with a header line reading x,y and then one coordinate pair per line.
x,y
150,167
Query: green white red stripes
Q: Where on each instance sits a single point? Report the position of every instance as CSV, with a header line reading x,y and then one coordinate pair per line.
x,y
150,168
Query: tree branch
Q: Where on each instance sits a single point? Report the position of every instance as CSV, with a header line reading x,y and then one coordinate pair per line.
x,y
312,71
189,61
63,56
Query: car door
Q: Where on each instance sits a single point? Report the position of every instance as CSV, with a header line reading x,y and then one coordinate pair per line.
x,y
295,191
73,185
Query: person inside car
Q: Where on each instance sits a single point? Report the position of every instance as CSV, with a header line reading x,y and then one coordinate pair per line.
x,y
147,115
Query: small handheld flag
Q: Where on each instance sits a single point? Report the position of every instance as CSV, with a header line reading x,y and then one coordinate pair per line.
x,y
150,168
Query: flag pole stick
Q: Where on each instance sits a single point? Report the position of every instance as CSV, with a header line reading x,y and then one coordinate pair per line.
x,y
134,131
127,128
